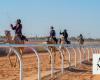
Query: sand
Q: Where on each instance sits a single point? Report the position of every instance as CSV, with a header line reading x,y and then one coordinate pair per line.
x,y
80,72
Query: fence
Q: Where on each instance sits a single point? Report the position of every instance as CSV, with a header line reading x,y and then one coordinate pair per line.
x,y
94,49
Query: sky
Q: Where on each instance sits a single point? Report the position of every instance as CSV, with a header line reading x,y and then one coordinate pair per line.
x,y
77,16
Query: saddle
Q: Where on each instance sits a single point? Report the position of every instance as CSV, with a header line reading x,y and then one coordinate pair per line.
x,y
20,38
24,38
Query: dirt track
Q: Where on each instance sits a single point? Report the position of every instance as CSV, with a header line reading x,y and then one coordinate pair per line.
x,y
30,67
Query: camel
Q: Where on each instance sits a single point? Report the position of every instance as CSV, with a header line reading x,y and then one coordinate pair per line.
x,y
51,48
62,42
11,40
80,40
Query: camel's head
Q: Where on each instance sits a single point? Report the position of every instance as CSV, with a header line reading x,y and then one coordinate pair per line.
x,y
7,33
61,36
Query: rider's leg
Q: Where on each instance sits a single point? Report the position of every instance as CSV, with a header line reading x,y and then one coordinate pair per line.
x,y
55,39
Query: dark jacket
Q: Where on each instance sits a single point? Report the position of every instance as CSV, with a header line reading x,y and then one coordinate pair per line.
x,y
52,33
18,29
65,34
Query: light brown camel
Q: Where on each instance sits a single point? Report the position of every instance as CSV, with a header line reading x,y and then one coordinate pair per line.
x,y
51,48
15,40
62,42
80,40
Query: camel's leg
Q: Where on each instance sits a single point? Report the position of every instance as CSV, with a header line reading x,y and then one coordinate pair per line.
x,y
80,46
50,60
63,51
54,57
10,61
8,55
21,51
16,59
50,56
65,56
54,50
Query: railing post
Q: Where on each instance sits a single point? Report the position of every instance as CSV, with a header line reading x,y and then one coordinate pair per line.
x,y
62,61
21,62
39,66
97,50
94,50
69,57
84,54
52,61
80,55
88,54
75,56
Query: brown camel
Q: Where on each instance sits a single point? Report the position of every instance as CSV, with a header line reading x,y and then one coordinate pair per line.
x,y
15,40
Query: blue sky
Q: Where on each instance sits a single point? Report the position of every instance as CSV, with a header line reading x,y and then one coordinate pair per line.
x,y
77,16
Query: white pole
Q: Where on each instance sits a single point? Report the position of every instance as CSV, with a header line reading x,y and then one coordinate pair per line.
x,y
21,62
80,55
52,62
83,54
91,51
39,66
88,54
95,50
75,56
62,61
69,57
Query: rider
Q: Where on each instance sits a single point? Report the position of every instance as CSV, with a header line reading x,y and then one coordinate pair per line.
x,y
18,30
65,34
81,37
53,34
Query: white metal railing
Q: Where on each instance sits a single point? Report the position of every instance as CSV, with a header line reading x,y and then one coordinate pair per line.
x,y
69,57
12,47
52,61
80,55
39,66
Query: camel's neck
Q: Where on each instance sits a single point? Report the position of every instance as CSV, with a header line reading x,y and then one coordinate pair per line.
x,y
9,39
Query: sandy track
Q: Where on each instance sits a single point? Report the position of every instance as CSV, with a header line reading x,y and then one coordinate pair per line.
x,y
30,66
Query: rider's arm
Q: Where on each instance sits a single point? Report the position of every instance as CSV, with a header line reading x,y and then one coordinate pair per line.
x,y
13,27
54,33
61,32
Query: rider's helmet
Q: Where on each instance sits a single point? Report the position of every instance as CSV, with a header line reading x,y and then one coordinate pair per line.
x,y
80,34
52,27
65,30
18,21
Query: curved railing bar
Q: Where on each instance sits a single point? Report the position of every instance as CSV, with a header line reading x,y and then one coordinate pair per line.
x,y
75,56
39,66
69,56
83,53
52,62
94,50
80,55
21,62
62,60
88,53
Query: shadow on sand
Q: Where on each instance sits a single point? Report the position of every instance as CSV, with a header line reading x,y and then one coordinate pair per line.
x,y
75,70
87,63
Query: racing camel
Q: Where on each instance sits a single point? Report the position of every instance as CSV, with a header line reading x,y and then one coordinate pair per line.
x,y
11,40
